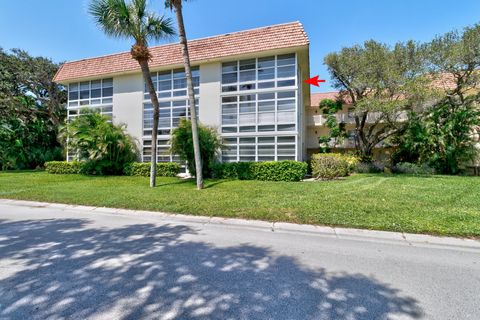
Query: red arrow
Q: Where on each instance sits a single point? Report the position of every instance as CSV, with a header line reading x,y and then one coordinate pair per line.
x,y
314,81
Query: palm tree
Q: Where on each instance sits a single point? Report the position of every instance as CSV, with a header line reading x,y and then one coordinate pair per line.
x,y
131,20
177,5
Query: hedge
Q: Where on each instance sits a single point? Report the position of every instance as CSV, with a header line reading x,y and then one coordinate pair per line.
x,y
164,169
329,166
265,171
63,167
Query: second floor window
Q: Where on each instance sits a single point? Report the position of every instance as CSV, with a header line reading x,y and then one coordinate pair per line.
x,y
259,73
172,84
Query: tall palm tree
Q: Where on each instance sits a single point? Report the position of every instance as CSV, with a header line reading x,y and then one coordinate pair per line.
x,y
177,5
131,20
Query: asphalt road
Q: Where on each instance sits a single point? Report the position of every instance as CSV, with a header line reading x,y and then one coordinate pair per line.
x,y
69,264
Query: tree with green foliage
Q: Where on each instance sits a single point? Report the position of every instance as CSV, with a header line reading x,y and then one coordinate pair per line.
x,y
131,20
105,147
337,132
381,83
31,108
177,5
182,145
440,134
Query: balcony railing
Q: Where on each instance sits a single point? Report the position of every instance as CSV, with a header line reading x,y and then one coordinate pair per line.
x,y
320,119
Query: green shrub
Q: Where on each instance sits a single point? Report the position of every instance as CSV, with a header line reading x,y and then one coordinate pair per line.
x,y
182,145
374,167
332,165
63,167
105,147
287,170
265,171
164,169
412,168
233,170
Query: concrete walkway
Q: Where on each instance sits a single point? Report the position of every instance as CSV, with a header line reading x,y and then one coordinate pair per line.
x,y
77,262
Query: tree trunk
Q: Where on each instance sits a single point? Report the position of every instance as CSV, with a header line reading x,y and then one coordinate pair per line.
x,y
156,112
191,94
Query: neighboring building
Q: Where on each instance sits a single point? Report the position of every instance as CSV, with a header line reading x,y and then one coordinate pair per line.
x,y
248,84
316,127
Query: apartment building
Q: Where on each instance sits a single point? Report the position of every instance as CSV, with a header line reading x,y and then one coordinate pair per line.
x,y
248,84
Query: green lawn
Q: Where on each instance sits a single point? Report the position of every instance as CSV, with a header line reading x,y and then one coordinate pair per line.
x,y
440,205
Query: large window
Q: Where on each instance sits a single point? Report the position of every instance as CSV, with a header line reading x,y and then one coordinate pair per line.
x,y
173,83
259,73
260,112
171,88
96,94
170,114
260,148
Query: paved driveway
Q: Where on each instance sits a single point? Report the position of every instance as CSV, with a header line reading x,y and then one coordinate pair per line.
x,y
70,264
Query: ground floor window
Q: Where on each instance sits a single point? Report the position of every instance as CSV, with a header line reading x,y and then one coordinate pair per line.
x,y
260,148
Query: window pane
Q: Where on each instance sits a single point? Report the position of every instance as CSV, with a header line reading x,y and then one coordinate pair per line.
x,y
266,128
229,78
266,106
284,105
248,118
73,95
229,119
286,72
97,84
229,129
266,62
229,88
107,92
229,67
96,93
247,107
164,75
286,127
286,117
286,59
265,85
266,117
286,94
265,74
247,129
266,96
229,109
229,99
107,82
248,140
285,83
286,140
266,139
164,85
247,76
247,64
250,86
179,83
248,97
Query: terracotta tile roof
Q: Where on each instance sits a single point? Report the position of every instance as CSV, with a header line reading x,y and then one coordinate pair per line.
x,y
315,98
243,42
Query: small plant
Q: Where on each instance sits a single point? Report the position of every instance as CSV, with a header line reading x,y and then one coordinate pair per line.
x,y
182,145
329,166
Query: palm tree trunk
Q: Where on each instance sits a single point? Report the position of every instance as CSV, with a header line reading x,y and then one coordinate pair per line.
x,y
191,94
156,112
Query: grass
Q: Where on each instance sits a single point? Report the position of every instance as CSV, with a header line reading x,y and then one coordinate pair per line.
x,y
441,205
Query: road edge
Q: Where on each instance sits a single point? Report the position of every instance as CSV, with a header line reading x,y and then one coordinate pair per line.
x,y
329,231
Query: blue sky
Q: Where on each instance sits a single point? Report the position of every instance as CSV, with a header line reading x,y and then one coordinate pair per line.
x,y
62,29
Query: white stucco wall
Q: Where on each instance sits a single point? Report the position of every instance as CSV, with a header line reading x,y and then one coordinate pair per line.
x,y
127,103
210,90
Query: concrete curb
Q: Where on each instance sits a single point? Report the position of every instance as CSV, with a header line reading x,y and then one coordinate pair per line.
x,y
337,232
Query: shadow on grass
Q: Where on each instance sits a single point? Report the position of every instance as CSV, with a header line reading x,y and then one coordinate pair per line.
x,y
68,269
